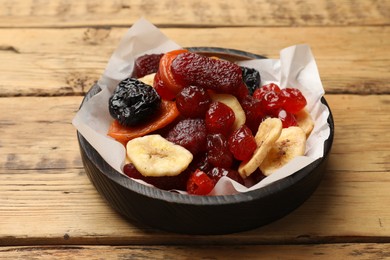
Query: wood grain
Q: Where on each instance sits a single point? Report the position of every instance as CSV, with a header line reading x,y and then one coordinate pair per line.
x,y
46,62
30,13
46,198
330,251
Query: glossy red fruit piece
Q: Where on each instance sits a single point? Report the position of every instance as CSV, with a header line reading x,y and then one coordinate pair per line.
x,y
146,64
217,173
218,153
189,133
219,118
287,118
164,82
199,183
178,182
270,102
215,74
292,100
260,92
253,112
193,101
242,143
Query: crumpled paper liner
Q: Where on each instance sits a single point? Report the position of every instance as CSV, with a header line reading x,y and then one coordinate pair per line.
x,y
296,68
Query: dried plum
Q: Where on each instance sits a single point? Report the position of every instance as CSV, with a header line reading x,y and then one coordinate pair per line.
x,y
133,102
251,78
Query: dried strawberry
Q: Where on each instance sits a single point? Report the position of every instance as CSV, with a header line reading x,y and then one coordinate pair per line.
x,y
146,64
215,74
189,133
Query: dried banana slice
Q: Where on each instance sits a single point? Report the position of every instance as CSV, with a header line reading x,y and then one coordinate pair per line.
x,y
155,156
305,121
148,79
232,102
267,134
291,143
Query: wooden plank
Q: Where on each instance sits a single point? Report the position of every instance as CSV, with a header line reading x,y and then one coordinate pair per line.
x,y
46,198
59,13
69,61
330,251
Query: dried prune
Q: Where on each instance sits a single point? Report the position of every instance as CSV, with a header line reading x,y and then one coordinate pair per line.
x,y
133,102
251,78
189,133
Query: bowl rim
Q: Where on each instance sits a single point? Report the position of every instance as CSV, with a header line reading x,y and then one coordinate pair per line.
x,y
177,198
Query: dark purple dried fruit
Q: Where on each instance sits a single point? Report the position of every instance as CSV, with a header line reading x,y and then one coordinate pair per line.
x,y
251,78
133,102
146,64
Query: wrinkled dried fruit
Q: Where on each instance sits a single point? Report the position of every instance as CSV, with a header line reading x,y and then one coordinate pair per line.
x,y
242,143
217,173
292,100
218,153
146,64
251,78
133,102
219,118
215,74
193,101
199,183
189,133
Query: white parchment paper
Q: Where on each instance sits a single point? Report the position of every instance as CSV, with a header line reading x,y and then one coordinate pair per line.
x,y
296,68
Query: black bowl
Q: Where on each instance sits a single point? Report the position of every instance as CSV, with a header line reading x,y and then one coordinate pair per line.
x,y
202,214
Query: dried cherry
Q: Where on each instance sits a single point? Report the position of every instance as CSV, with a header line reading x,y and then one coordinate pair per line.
x,y
242,143
292,100
199,183
193,101
217,173
218,153
219,118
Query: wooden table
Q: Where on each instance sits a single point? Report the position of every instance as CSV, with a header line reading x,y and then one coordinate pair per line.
x,y
53,51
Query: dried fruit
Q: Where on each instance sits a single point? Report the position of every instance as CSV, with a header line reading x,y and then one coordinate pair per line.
x,y
165,83
253,112
133,102
193,101
146,64
217,173
242,143
189,133
292,100
288,119
178,182
215,74
219,118
251,78
163,117
260,92
218,153
199,183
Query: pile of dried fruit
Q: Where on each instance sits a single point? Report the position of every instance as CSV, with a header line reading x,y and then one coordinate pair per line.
x,y
187,120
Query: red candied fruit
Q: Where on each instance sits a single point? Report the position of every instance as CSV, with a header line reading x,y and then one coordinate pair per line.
x,y
253,112
292,100
216,74
219,118
178,182
242,143
271,102
260,92
217,173
193,101
189,133
218,153
288,119
199,183
146,64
